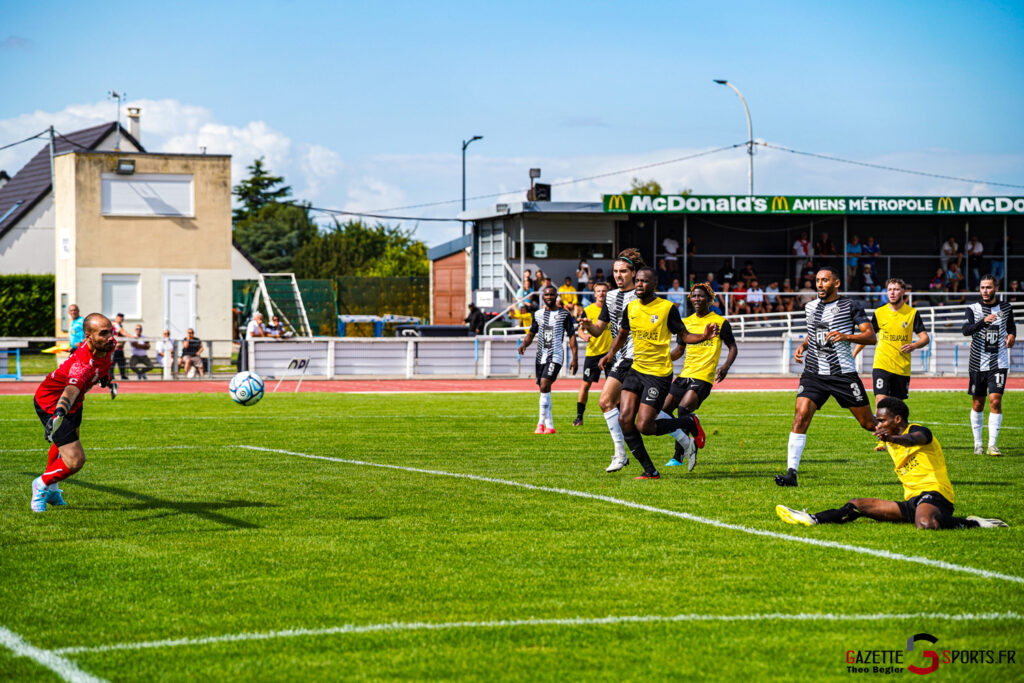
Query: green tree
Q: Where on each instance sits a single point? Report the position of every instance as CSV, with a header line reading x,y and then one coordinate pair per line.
x,y
355,248
637,186
274,234
258,190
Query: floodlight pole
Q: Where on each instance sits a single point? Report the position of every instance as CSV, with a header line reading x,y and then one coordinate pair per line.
x,y
750,134
465,144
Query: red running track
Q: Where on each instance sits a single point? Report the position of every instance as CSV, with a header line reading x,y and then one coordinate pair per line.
x,y
466,385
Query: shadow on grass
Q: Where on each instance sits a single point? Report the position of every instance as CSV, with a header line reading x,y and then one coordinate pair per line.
x,y
203,510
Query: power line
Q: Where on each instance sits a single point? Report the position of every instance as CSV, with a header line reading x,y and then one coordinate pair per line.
x,y
340,212
885,168
572,180
37,135
70,141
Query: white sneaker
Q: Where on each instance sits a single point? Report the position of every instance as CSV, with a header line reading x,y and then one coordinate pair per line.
x,y
792,516
39,495
978,449
619,460
691,455
987,523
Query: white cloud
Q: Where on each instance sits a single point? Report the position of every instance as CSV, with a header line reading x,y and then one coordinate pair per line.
x,y
369,194
320,166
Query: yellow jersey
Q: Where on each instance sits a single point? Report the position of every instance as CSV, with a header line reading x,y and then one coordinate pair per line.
x,y
568,295
702,359
651,326
895,328
525,319
597,346
921,467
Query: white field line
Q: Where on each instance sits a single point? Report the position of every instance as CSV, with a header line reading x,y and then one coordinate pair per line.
x,y
50,659
885,554
512,623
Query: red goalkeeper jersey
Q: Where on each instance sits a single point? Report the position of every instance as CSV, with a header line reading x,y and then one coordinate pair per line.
x,y
80,370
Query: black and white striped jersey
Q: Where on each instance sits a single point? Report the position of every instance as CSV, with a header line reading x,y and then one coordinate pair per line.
x,y
550,329
988,340
842,315
614,308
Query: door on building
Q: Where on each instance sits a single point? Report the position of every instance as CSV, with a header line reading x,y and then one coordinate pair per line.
x,y
180,305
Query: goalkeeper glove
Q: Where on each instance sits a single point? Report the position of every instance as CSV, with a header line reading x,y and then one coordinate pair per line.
x,y
53,424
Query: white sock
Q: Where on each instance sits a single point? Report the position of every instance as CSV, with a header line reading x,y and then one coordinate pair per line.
x,y
995,421
545,410
679,435
612,418
796,450
977,419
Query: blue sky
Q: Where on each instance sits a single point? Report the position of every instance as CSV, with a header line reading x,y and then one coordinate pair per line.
x,y
363,106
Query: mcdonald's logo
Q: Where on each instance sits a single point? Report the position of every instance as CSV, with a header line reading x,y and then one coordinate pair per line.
x,y
945,204
616,203
780,204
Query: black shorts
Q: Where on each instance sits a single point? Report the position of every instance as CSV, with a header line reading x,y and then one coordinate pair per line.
x,y
651,390
889,384
620,369
908,508
548,371
68,431
591,370
846,388
986,382
681,385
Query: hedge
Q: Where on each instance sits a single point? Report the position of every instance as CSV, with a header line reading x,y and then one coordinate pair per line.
x,y
26,305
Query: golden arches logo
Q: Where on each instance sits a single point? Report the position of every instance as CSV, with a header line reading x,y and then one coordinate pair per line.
x,y
617,203
780,204
945,204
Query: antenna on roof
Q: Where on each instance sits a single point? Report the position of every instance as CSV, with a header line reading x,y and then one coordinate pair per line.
x,y
120,98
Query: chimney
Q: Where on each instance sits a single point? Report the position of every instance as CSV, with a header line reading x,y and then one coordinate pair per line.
x,y
134,114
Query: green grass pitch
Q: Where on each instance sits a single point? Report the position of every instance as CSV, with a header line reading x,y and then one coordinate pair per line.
x,y
174,532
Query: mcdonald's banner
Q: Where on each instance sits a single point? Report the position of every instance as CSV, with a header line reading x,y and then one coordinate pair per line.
x,y
778,204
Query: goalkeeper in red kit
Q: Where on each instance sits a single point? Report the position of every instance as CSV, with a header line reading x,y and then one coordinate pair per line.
x,y
59,405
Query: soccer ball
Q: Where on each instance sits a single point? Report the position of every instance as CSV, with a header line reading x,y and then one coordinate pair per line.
x,y
246,388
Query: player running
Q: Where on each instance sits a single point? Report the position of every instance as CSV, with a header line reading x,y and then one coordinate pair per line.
x,y
553,324
650,322
833,323
623,270
597,346
927,492
58,402
992,330
700,370
895,323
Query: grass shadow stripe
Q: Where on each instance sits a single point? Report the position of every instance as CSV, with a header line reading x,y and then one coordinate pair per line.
x,y
513,623
50,659
710,521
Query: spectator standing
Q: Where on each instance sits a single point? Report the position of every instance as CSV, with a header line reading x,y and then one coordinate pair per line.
x,y
140,354
671,246
121,334
998,262
191,354
582,275
165,350
475,319
727,273
824,250
691,253
810,271
75,327
664,275
802,251
871,250
853,252
748,274
975,254
950,253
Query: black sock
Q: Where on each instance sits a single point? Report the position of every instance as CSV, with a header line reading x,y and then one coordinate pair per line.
x,y
671,424
580,407
845,514
948,522
635,442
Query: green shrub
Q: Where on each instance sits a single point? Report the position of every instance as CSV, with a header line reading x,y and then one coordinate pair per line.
x,y
26,305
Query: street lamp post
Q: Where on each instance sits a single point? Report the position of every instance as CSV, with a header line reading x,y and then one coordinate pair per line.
x,y
465,144
750,133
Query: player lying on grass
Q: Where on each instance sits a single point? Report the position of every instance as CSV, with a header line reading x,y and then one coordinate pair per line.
x,y
651,322
927,492
58,402
551,326
700,369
